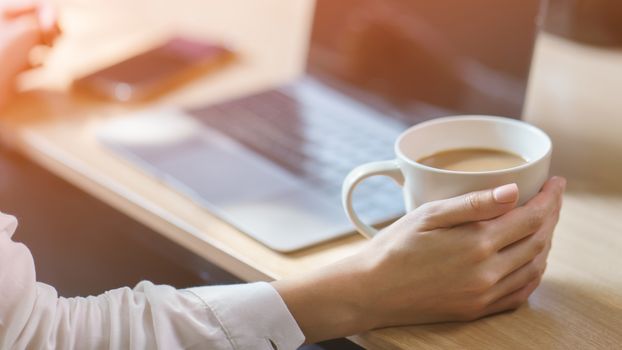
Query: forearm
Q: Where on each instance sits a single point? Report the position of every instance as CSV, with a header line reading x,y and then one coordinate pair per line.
x,y
149,316
241,317
247,316
330,302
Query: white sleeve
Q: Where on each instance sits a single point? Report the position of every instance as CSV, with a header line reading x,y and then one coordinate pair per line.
x,y
252,315
249,316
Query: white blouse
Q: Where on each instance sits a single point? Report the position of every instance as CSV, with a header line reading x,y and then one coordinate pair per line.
x,y
32,316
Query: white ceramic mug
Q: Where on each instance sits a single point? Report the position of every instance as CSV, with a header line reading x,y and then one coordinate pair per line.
x,y
423,184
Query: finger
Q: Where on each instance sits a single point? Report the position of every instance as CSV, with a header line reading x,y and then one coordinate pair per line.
x,y
474,206
48,23
513,300
520,277
528,219
45,14
14,10
19,36
512,258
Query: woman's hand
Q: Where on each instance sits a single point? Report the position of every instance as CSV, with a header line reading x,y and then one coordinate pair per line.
x,y
451,260
23,25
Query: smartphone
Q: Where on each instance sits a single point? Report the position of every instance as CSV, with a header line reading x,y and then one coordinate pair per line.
x,y
155,71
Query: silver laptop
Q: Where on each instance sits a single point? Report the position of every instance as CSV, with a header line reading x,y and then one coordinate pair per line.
x,y
272,164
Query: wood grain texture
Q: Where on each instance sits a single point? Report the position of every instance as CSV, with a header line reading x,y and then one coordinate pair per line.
x,y
574,95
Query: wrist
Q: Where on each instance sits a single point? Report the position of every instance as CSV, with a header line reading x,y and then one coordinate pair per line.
x,y
367,291
331,302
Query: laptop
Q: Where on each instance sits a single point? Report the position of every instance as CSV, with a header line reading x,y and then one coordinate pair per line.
x,y
272,163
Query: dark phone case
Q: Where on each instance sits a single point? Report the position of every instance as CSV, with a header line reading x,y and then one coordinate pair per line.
x,y
156,71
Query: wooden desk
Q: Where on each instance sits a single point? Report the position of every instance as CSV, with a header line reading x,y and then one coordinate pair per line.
x,y
574,96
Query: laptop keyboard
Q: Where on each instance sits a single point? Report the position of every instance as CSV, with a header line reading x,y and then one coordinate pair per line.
x,y
313,141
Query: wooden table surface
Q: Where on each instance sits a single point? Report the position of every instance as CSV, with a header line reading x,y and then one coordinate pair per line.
x,y
574,95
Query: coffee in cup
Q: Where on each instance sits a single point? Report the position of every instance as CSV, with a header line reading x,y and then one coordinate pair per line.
x,y
472,159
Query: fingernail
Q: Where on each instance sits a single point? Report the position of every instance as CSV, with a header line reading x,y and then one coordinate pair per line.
x,y
505,194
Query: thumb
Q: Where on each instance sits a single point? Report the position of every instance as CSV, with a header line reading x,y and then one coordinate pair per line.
x,y
470,207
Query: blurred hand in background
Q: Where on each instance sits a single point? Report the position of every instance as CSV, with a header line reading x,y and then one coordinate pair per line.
x,y
24,25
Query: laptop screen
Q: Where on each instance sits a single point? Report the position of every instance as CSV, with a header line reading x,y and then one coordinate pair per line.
x,y
426,58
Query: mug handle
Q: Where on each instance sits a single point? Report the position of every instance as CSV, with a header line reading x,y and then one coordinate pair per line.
x,y
388,168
